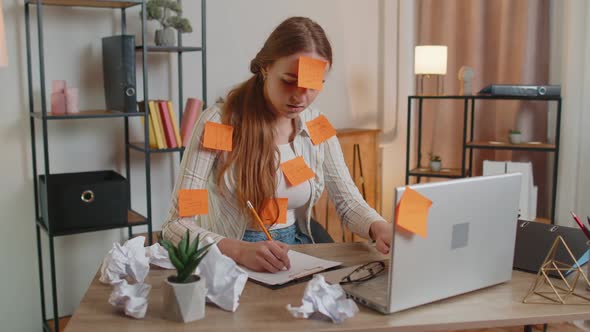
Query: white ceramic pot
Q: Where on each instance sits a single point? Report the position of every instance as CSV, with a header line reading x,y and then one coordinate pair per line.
x,y
515,138
184,302
165,37
435,165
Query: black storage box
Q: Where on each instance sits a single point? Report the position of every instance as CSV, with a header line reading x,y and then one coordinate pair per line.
x,y
89,200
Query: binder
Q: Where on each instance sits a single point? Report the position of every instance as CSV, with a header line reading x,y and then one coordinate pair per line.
x,y
118,67
534,240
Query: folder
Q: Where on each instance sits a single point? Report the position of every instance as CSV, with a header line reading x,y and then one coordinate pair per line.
x,y
534,240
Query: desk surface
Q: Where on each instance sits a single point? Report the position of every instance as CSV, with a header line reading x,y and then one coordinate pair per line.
x,y
262,309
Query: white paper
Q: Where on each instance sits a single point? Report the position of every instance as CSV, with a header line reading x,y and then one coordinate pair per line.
x,y
224,279
158,255
132,299
328,300
124,260
526,187
301,265
491,167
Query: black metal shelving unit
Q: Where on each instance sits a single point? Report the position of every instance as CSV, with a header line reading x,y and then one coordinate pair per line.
x,y
469,145
43,116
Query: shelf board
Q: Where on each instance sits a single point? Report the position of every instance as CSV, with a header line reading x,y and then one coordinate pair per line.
x,y
493,145
517,97
169,49
441,97
555,98
133,219
90,114
88,3
140,147
443,173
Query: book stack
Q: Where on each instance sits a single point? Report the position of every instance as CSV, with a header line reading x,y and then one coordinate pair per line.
x,y
164,132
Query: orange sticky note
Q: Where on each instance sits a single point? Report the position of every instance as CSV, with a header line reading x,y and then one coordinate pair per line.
x,y
310,74
218,136
320,129
296,171
269,212
192,202
411,212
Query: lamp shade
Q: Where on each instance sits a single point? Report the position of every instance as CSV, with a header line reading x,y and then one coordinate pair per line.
x,y
430,59
3,53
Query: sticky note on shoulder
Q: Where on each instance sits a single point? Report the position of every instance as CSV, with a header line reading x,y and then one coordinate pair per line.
x,y
320,129
310,74
192,202
218,136
296,171
411,212
270,213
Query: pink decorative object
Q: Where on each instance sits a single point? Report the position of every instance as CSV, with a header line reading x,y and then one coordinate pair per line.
x,y
58,86
72,101
192,110
58,103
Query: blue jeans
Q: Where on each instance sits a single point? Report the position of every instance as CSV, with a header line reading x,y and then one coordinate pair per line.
x,y
288,235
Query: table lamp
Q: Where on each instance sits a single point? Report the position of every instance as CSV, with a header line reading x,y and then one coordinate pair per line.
x,y
3,53
430,60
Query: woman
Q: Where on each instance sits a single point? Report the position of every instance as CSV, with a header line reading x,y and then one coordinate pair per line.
x,y
268,113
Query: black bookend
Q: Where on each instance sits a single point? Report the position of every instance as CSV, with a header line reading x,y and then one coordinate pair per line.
x,y
118,64
534,240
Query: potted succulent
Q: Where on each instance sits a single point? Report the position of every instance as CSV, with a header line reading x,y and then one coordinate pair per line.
x,y
515,136
167,12
184,293
435,163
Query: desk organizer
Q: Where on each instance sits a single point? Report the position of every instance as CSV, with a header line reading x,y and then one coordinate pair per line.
x,y
558,294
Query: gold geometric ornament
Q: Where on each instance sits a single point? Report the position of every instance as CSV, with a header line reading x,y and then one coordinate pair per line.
x,y
557,290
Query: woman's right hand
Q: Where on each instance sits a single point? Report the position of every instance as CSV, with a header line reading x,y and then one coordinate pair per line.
x,y
264,256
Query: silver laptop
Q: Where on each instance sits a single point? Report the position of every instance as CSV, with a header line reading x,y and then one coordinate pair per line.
x,y
470,245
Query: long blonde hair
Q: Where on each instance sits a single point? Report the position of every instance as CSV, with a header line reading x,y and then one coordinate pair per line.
x,y
254,156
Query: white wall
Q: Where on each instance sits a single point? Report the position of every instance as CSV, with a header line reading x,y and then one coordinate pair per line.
x,y
236,29
570,67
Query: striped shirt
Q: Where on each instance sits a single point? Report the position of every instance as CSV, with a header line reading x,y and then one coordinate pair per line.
x,y
198,170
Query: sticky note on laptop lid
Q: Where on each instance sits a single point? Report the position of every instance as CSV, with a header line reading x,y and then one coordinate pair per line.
x,y
310,74
192,202
411,213
218,136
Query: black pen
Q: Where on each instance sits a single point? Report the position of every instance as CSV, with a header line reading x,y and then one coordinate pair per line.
x,y
588,218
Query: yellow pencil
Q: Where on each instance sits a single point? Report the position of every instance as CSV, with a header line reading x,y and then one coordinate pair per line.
x,y
260,223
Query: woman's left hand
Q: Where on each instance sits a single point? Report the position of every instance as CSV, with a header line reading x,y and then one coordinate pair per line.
x,y
381,232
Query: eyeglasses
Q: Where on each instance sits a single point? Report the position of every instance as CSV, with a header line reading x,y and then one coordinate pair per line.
x,y
364,272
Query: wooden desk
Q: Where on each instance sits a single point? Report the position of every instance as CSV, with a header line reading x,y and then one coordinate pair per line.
x,y
262,309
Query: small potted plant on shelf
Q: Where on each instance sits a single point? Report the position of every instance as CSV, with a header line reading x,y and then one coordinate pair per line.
x,y
515,136
184,293
167,12
435,163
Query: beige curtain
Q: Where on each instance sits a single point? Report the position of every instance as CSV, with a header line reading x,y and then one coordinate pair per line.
x,y
505,42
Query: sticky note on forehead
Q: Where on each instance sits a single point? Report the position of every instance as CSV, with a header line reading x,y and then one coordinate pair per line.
x,y
311,73
411,212
218,136
192,202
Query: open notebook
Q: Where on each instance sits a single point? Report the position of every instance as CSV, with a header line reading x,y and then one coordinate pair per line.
x,y
302,265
